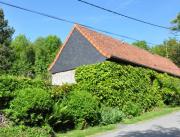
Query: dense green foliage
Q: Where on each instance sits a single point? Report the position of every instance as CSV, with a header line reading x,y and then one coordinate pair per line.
x,y
170,89
80,109
10,84
30,107
24,57
33,58
46,49
61,119
84,107
133,89
105,93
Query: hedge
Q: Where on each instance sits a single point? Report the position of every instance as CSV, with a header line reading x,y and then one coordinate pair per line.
x,y
30,107
10,84
133,90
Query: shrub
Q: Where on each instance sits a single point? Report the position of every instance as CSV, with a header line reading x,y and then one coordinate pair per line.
x,y
61,119
132,89
9,84
30,107
20,131
78,110
111,115
84,107
131,109
170,89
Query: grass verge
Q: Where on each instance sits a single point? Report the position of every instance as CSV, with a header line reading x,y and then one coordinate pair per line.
x,y
87,132
152,114
94,130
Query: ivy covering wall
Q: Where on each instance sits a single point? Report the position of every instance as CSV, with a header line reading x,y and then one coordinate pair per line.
x,y
133,89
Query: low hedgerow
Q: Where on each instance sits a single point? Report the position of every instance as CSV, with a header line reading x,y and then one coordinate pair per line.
x,y
9,84
134,90
30,107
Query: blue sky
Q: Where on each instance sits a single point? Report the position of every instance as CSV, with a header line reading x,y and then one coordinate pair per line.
x,y
156,11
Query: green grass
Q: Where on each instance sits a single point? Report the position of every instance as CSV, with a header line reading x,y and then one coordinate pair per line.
x,y
99,129
88,131
19,131
152,114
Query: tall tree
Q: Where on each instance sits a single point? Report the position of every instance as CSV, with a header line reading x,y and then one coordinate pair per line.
x,y
6,31
6,54
160,49
46,49
6,59
173,49
30,61
141,44
25,56
176,23
170,49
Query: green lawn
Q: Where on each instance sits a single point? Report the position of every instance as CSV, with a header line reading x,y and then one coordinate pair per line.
x,y
98,129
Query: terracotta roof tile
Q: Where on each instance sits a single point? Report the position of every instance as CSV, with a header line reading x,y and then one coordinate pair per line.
x,y
110,47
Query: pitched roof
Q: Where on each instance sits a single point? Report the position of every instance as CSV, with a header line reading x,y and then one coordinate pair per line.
x,y
110,48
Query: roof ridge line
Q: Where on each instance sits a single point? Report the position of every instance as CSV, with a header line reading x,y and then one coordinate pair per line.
x,y
77,26
117,40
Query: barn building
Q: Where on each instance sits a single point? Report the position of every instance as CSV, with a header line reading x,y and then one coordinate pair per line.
x,y
84,46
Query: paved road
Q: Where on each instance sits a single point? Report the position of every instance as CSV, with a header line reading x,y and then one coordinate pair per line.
x,y
165,126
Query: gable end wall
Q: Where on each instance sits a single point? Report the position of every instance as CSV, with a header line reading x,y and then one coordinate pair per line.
x,y
78,51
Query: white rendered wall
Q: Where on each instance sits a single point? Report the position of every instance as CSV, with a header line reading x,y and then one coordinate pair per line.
x,y
63,77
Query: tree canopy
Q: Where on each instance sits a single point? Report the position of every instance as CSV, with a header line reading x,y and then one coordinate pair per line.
x,y
33,58
46,49
24,56
170,49
176,23
141,44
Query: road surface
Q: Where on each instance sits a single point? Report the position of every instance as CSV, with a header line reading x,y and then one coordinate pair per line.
x,y
165,126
